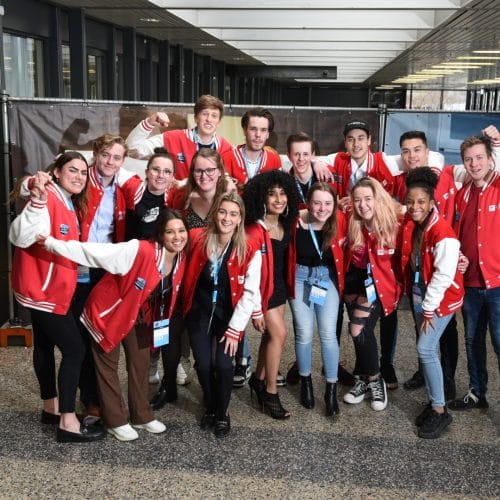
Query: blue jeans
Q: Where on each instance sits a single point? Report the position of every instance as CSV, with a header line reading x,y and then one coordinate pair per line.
x,y
481,309
303,312
428,354
243,349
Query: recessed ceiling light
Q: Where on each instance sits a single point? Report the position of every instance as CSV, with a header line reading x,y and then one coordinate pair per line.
x,y
207,44
149,20
478,57
486,51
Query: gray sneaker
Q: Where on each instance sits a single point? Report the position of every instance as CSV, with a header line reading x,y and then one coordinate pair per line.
x,y
242,372
359,392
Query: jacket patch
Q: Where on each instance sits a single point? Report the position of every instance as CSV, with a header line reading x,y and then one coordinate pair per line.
x,y
263,249
64,229
181,158
241,280
140,283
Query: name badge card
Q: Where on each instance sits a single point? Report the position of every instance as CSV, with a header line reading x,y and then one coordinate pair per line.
x,y
161,332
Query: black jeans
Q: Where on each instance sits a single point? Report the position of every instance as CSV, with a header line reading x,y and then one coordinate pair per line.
x,y
213,367
54,330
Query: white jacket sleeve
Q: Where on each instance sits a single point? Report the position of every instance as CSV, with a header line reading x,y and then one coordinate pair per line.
x,y
445,266
248,300
141,143
329,159
116,258
34,220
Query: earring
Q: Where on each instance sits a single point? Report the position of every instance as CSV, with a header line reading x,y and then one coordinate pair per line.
x,y
287,211
265,211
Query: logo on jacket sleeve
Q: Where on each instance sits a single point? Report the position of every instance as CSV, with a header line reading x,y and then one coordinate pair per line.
x,y
140,283
64,229
181,158
241,279
263,249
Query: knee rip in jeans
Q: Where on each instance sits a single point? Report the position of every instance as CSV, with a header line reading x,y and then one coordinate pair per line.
x,y
356,321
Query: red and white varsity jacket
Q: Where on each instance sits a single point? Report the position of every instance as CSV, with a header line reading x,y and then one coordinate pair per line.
x,y
234,163
488,224
244,280
179,143
134,271
40,279
385,267
338,251
438,255
129,191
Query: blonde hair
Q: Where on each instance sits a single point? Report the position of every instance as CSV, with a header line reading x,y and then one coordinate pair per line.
x,y
385,219
239,235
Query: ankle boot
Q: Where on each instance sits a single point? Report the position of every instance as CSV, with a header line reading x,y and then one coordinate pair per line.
x,y
332,407
306,392
167,393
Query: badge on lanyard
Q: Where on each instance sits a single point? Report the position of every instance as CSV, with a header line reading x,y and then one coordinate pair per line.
x,y
318,292
161,332
371,294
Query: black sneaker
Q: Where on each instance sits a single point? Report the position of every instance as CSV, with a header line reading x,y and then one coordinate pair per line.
x,y
422,417
389,375
415,382
469,402
379,394
434,425
242,372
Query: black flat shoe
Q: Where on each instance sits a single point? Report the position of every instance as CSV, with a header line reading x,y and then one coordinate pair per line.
x,y
49,418
222,427
207,422
166,394
86,435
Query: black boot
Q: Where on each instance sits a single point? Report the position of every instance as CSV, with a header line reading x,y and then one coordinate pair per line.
x,y
167,393
332,407
306,392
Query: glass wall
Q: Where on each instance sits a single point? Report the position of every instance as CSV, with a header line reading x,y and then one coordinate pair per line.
x,y
23,66
94,77
66,69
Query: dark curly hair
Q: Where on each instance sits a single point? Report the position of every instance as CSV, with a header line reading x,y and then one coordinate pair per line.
x,y
255,193
424,178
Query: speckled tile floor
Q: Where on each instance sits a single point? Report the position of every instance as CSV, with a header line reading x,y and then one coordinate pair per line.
x,y
362,454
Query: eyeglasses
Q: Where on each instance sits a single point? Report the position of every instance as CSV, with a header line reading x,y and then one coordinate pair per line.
x,y
158,171
209,172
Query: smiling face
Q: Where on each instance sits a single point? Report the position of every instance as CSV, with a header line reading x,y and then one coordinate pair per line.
x,y
300,154
227,217
207,121
357,143
256,133
321,206
418,204
276,200
159,175
175,236
477,163
414,153
364,203
109,160
206,174
72,177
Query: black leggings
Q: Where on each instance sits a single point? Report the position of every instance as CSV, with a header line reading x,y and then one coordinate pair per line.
x,y
171,353
54,330
213,367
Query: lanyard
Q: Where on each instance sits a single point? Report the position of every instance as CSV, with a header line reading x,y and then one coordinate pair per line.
x,y
369,270
166,289
417,269
248,164
315,241
299,187
199,145
216,263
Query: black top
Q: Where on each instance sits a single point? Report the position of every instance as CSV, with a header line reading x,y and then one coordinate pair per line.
x,y
279,272
194,220
307,255
140,222
304,188
204,289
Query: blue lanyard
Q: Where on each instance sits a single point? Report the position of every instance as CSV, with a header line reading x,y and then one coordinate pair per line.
x,y
369,270
299,187
216,264
315,241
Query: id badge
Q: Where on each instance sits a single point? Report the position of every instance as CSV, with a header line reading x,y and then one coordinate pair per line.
x,y
371,294
161,332
318,293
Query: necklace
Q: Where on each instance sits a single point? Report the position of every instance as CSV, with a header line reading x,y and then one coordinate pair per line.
x,y
271,225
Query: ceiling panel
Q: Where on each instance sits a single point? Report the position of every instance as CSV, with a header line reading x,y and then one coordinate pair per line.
x,y
373,42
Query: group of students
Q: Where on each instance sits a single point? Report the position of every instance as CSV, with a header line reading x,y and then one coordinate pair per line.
x,y
216,236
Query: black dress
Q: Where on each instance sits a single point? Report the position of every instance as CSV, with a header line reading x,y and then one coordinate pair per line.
x,y
280,249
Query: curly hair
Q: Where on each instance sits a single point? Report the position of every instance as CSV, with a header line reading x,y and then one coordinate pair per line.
x,y
424,178
256,190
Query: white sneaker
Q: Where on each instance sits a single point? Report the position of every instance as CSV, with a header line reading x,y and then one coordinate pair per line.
x,y
379,394
155,427
182,376
359,392
123,433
